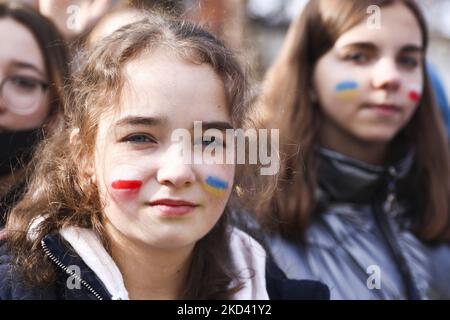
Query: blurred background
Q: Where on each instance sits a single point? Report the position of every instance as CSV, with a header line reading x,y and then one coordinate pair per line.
x,y
268,20
256,28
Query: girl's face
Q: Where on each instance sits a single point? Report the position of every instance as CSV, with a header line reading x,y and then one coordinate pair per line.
x,y
370,83
152,196
24,102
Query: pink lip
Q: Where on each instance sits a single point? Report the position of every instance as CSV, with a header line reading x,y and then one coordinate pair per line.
x,y
173,208
384,109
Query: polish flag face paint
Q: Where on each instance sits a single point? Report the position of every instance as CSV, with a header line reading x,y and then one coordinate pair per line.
x,y
126,184
215,186
414,94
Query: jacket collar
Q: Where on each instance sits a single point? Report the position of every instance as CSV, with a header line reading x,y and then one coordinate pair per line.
x,y
66,258
344,179
91,250
81,247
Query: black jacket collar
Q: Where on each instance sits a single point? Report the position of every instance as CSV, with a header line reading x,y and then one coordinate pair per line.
x,y
65,257
344,179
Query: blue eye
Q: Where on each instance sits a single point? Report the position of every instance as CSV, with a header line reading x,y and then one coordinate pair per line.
x,y
139,139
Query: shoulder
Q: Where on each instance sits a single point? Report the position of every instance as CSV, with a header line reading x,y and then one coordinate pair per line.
x,y
279,287
12,286
5,271
267,276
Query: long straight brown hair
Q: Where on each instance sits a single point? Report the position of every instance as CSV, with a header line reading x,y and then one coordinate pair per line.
x,y
286,104
61,189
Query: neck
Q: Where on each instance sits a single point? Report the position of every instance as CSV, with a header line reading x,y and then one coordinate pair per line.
x,y
340,141
150,273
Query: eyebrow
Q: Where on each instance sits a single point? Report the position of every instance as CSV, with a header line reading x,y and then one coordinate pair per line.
x,y
220,125
410,48
155,121
141,121
26,65
361,45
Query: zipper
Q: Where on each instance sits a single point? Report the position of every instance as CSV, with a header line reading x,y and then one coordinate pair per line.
x,y
388,210
391,199
66,270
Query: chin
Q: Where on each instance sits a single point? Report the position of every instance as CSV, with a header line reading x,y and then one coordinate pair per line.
x,y
169,241
381,136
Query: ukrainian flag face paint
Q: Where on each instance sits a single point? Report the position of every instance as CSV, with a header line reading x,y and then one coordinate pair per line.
x,y
216,186
150,194
363,83
346,90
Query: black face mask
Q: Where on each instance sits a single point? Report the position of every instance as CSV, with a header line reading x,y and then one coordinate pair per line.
x,y
16,148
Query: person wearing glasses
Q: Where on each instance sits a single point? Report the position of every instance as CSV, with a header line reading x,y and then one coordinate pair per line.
x,y
33,68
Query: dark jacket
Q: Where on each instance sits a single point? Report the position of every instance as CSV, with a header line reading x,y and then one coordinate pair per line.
x,y
92,288
360,242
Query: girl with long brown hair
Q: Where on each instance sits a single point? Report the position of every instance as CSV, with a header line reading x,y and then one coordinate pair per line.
x,y
113,211
33,70
363,196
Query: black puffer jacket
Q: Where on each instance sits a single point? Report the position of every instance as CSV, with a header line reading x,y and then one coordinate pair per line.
x,y
63,255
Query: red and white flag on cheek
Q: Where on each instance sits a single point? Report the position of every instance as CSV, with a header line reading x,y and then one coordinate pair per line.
x,y
126,184
415,93
125,179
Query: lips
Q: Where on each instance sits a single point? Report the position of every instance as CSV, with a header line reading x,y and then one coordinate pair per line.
x,y
172,202
384,109
172,207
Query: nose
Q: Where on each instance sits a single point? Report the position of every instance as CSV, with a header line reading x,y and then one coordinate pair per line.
x,y
173,170
386,75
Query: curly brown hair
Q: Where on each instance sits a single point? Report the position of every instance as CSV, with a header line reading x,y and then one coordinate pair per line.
x,y
61,189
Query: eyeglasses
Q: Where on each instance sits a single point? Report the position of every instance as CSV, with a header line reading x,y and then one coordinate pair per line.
x,y
22,95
